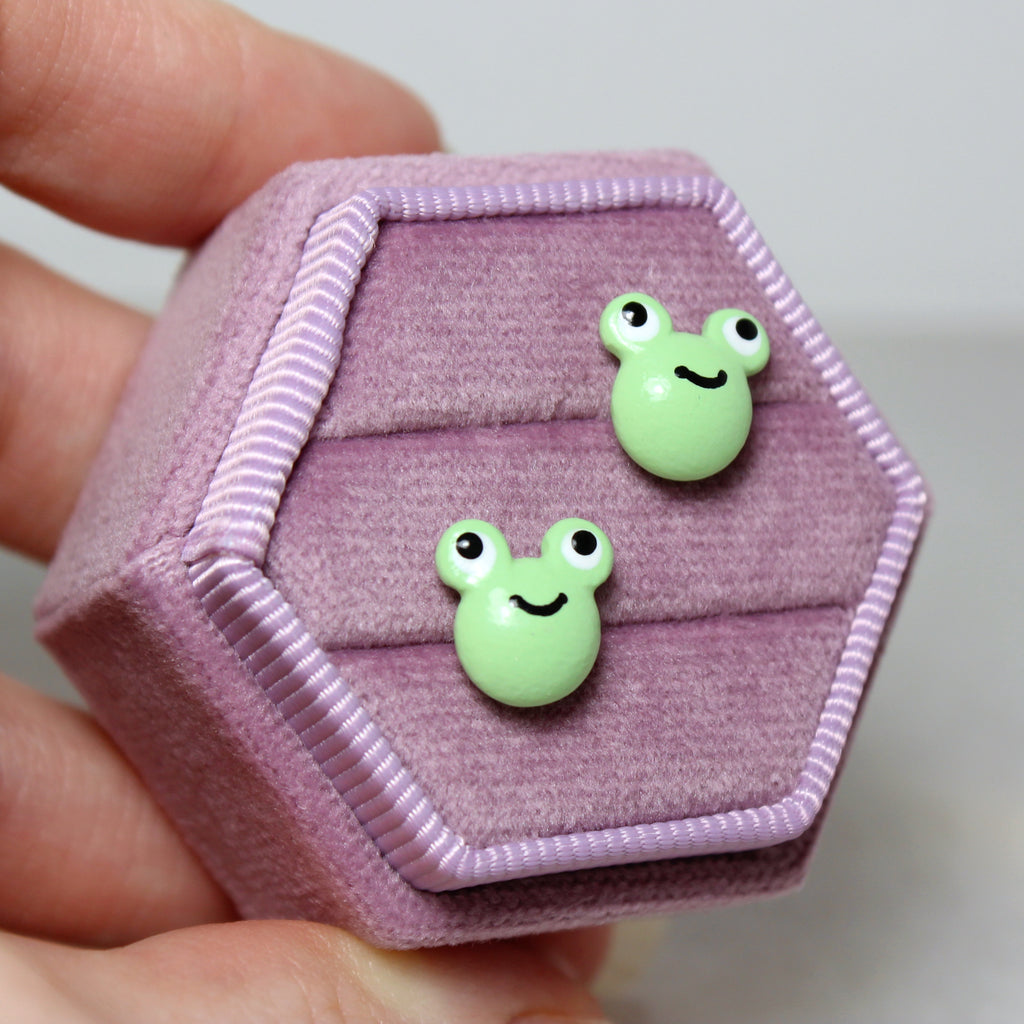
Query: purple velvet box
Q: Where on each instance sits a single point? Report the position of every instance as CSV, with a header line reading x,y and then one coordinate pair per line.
x,y
370,350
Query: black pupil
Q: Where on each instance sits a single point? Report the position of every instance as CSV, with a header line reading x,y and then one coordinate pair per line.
x,y
469,545
584,542
635,314
746,329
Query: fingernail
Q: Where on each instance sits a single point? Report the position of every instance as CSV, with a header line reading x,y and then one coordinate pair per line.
x,y
633,948
545,1018
492,983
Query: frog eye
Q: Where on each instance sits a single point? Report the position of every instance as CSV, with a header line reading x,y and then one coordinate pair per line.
x,y
468,552
474,554
744,334
637,322
582,549
632,320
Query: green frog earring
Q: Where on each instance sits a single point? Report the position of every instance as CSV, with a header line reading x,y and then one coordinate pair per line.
x,y
681,404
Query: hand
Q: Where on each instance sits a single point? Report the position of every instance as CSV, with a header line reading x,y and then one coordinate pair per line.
x,y
152,119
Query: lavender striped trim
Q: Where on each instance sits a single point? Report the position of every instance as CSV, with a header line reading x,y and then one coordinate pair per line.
x,y
288,388
227,545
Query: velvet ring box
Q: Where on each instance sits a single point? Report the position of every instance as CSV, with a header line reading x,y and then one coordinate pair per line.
x,y
368,351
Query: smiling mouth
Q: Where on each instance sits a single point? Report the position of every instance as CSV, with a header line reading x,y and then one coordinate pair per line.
x,y
538,609
685,373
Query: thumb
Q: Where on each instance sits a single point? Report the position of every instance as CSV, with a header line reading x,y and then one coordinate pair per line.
x,y
281,971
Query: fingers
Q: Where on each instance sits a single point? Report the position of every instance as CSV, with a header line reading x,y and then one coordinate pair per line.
x,y
153,118
148,118
85,854
279,972
580,953
64,356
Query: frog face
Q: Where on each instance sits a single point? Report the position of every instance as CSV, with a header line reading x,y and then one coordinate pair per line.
x,y
681,404
527,630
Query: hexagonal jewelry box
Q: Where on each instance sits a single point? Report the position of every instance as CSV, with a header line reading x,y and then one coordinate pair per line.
x,y
368,351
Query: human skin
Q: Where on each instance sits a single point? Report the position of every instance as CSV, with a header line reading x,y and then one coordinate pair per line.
x,y
151,119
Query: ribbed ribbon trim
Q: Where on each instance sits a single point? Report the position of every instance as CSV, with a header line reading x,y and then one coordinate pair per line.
x,y
228,543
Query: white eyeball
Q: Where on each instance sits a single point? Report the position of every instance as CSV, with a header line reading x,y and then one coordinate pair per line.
x,y
475,553
582,549
744,334
638,322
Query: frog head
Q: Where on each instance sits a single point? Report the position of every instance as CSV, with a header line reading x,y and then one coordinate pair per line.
x,y
681,404
527,630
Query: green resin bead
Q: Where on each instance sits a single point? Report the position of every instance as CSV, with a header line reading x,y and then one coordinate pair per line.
x,y
527,630
681,404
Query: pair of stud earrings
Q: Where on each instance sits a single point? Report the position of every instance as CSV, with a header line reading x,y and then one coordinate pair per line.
x,y
527,630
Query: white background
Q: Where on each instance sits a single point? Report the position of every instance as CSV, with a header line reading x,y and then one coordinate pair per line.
x,y
878,147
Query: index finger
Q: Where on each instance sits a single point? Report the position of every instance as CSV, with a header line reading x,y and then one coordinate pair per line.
x,y
151,119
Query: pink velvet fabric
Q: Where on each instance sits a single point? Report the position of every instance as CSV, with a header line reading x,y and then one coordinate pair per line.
x,y
273,831
673,722
729,604
793,523
466,323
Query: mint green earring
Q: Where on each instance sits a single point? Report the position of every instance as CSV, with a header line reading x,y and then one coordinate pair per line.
x,y
681,405
527,630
